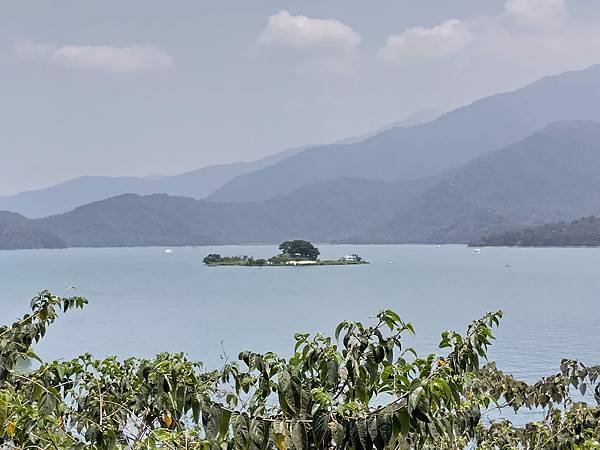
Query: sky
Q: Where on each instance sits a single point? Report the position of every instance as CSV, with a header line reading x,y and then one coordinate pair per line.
x,y
154,87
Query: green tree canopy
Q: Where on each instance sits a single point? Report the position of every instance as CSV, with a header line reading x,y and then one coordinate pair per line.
x,y
212,258
299,249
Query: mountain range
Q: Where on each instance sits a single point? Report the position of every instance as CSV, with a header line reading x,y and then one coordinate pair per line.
x,y
551,175
434,147
82,190
319,213
196,184
527,157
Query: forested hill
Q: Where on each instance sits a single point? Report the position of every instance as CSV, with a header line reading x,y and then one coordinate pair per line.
x,y
18,232
584,232
549,177
319,212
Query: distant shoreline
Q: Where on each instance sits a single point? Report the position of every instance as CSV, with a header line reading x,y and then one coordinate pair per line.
x,y
534,246
162,247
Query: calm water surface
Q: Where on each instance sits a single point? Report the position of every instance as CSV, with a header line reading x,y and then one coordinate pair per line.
x,y
143,301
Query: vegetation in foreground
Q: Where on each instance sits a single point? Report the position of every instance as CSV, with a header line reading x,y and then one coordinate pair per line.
x,y
584,232
296,252
360,389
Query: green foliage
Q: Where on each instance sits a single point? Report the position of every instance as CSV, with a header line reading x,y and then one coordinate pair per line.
x,y
584,232
17,231
212,258
282,258
215,259
359,389
299,249
16,339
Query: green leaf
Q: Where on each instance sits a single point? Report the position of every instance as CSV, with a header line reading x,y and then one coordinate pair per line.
x,y
287,401
413,399
384,427
320,423
224,425
339,435
401,422
362,427
354,435
257,432
213,422
241,432
3,409
299,436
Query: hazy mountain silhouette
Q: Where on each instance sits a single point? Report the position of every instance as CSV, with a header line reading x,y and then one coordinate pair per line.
x,y
82,190
319,212
550,176
196,184
429,149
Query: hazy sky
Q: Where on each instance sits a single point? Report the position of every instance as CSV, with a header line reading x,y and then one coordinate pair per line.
x,y
139,86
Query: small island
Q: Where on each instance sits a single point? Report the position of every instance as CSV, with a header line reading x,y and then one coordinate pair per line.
x,y
293,253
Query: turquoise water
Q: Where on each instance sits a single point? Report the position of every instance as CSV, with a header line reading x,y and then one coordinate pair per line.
x,y
143,301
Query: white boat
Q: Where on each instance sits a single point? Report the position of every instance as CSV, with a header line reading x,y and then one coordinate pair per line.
x,y
477,250
168,250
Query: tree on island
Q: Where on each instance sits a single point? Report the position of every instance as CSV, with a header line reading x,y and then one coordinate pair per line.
x,y
299,249
213,258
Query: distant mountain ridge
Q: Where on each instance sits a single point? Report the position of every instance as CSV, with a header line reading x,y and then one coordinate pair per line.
x,y
319,213
431,148
417,118
196,184
550,176
80,191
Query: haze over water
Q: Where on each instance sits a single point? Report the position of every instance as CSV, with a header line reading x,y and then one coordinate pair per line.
x,y
143,301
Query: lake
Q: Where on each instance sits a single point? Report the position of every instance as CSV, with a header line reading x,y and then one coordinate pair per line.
x,y
143,301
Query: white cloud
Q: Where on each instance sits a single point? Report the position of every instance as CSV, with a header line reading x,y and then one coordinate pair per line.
x,y
526,33
133,58
537,13
327,41
446,39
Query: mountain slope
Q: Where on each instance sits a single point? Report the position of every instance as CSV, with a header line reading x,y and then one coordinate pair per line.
x,y
319,212
131,220
425,150
550,176
416,118
584,232
80,191
18,232
196,184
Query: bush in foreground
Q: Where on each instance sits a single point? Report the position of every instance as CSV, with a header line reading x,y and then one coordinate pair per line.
x,y
361,389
